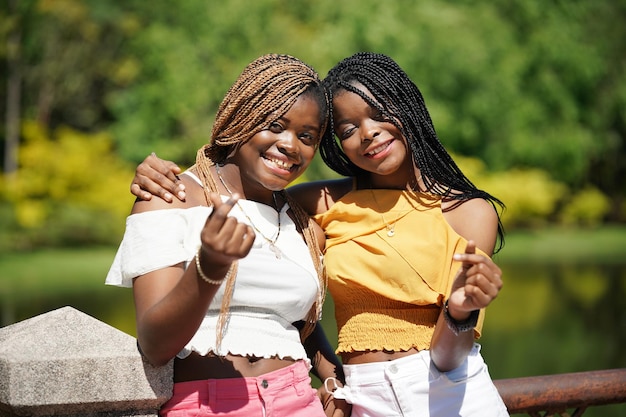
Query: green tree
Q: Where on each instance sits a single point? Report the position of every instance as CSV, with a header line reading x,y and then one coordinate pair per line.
x,y
63,58
525,86
70,189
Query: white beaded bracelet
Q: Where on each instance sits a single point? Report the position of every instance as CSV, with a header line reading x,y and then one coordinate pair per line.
x,y
207,279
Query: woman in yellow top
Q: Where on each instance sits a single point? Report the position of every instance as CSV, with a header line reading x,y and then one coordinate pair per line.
x,y
409,240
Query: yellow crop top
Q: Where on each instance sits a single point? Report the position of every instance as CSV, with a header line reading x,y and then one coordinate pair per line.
x,y
388,291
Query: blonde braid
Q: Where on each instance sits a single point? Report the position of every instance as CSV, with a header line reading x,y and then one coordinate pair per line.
x,y
304,223
203,169
265,90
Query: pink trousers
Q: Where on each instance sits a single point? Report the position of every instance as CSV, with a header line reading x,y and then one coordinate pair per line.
x,y
286,392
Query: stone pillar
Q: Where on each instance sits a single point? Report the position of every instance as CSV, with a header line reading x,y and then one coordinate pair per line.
x,y
67,363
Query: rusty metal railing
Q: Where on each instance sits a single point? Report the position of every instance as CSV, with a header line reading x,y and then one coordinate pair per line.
x,y
554,395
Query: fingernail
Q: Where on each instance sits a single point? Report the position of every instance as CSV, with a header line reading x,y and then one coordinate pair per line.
x,y
167,196
181,186
181,195
457,257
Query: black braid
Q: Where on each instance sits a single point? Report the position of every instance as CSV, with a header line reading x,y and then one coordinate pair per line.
x,y
399,99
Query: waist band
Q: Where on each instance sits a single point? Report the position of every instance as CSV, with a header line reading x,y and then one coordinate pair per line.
x,y
233,388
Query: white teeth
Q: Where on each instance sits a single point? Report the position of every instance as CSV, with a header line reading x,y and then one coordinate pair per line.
x,y
378,149
280,164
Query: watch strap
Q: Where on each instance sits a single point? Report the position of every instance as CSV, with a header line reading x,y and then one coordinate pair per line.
x,y
460,326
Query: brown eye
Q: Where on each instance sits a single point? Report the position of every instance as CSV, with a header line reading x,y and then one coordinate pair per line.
x,y
347,132
308,138
380,117
275,127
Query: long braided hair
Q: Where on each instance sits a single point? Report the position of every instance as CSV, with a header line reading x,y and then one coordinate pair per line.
x,y
265,91
399,99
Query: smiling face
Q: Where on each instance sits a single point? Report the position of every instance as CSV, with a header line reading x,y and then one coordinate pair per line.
x,y
280,153
370,140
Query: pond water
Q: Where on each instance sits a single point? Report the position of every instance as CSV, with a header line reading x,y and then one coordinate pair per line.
x,y
548,319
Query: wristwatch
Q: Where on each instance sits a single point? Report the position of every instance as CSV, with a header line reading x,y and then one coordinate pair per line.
x,y
460,326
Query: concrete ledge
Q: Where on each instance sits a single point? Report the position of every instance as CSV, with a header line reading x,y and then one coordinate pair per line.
x,y
65,362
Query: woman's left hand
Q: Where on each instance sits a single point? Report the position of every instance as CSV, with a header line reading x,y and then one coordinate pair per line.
x,y
155,176
333,407
476,285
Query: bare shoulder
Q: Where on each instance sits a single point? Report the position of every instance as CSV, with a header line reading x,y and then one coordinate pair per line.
x,y
317,196
474,209
474,219
194,192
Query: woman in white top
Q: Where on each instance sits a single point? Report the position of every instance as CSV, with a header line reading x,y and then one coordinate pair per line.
x,y
228,282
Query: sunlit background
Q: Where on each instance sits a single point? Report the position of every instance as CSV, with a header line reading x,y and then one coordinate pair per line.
x,y
529,95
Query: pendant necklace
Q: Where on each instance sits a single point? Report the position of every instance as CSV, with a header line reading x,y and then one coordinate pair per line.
x,y
272,242
391,227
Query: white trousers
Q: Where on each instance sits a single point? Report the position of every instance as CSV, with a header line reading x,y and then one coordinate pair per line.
x,y
412,387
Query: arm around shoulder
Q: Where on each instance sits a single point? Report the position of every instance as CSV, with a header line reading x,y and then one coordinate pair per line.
x,y
159,203
317,196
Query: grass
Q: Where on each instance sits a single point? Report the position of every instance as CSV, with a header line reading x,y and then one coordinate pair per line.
x,y
40,281
27,274
560,245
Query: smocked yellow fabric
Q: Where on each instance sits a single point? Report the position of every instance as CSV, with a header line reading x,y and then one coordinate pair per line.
x,y
388,291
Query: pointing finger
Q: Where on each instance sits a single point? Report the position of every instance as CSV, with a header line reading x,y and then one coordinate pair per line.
x,y
216,201
470,250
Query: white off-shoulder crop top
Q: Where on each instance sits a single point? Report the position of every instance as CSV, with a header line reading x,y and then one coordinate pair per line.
x,y
270,293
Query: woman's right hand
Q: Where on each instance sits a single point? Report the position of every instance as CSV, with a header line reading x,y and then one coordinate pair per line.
x,y
155,176
224,239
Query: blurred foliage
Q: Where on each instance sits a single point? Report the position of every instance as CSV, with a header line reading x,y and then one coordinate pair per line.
x,y
586,208
532,197
71,189
532,91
